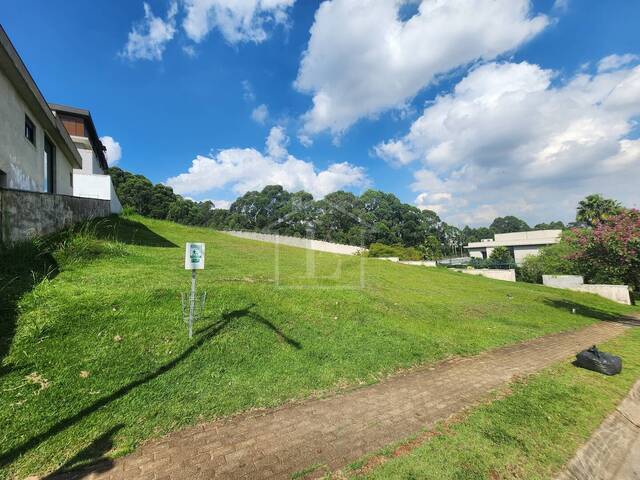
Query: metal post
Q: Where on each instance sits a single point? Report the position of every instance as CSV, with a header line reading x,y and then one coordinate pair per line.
x,y
192,301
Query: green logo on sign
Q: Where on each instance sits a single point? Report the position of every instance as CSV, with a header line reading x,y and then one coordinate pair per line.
x,y
195,255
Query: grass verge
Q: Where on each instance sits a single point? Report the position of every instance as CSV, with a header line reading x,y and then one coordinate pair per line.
x,y
531,433
95,358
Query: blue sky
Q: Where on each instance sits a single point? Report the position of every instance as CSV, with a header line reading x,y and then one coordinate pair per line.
x,y
473,108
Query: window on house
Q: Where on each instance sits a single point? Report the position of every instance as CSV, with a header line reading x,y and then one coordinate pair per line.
x,y
71,179
3,179
29,130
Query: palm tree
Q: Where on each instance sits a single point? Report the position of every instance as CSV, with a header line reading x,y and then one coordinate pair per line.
x,y
595,208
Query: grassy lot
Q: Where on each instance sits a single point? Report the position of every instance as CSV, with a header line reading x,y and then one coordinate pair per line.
x,y
95,357
530,434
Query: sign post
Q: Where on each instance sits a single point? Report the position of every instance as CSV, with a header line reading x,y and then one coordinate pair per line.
x,y
193,260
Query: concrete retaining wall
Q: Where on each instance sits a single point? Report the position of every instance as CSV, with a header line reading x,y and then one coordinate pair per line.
x,y
617,293
28,214
422,263
496,274
562,281
317,245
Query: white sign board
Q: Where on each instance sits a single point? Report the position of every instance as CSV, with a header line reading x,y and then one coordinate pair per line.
x,y
194,256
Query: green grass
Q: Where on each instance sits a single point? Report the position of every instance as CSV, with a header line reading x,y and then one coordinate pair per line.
x,y
265,339
530,434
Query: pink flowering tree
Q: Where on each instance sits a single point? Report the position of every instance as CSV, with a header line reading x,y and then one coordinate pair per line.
x,y
610,251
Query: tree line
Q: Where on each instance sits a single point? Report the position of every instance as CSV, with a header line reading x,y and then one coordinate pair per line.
x,y
341,217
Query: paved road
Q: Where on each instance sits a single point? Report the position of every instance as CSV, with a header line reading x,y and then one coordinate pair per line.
x,y
335,431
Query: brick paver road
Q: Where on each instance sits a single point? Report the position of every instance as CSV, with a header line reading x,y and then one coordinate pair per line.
x,y
336,431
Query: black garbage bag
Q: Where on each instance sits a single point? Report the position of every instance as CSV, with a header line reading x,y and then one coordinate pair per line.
x,y
594,359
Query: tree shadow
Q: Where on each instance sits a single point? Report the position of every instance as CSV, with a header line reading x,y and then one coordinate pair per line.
x,y
129,231
202,336
22,267
585,311
91,459
279,333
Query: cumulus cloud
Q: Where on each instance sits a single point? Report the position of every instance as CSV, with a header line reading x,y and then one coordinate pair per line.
x,y
244,169
363,58
148,38
237,21
613,62
114,150
508,139
260,114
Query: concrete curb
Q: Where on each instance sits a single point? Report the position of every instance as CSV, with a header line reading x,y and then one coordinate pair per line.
x,y
613,451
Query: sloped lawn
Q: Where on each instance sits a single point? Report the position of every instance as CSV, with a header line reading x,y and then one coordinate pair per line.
x,y
96,359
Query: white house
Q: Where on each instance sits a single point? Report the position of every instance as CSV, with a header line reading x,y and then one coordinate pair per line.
x,y
36,152
91,180
46,148
520,244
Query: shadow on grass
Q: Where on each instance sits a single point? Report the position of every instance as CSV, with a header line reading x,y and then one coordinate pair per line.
x,y
22,267
260,319
202,336
585,311
90,460
128,231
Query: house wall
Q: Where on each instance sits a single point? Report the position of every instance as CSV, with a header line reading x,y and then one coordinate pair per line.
x,y
522,252
22,161
29,214
90,163
96,186
475,253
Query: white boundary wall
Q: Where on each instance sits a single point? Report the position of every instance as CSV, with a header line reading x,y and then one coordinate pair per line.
x,y
420,263
309,244
617,293
495,274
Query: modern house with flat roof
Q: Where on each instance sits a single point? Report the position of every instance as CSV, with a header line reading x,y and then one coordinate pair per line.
x,y
520,244
91,180
36,152
43,153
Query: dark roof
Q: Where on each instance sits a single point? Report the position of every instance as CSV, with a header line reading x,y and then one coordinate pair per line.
x,y
21,79
98,148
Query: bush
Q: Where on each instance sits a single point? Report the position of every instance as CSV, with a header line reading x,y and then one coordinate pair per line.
x,y
552,260
404,253
610,251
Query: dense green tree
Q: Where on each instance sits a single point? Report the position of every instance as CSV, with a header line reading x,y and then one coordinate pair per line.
x,y
262,210
595,208
161,199
557,225
476,234
509,224
338,218
431,248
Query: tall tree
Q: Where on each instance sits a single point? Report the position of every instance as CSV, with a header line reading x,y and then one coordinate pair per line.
x,y
509,224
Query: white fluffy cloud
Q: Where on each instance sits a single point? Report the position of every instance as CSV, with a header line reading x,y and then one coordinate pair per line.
x,y
148,38
260,114
237,20
613,62
244,169
363,58
508,139
114,150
